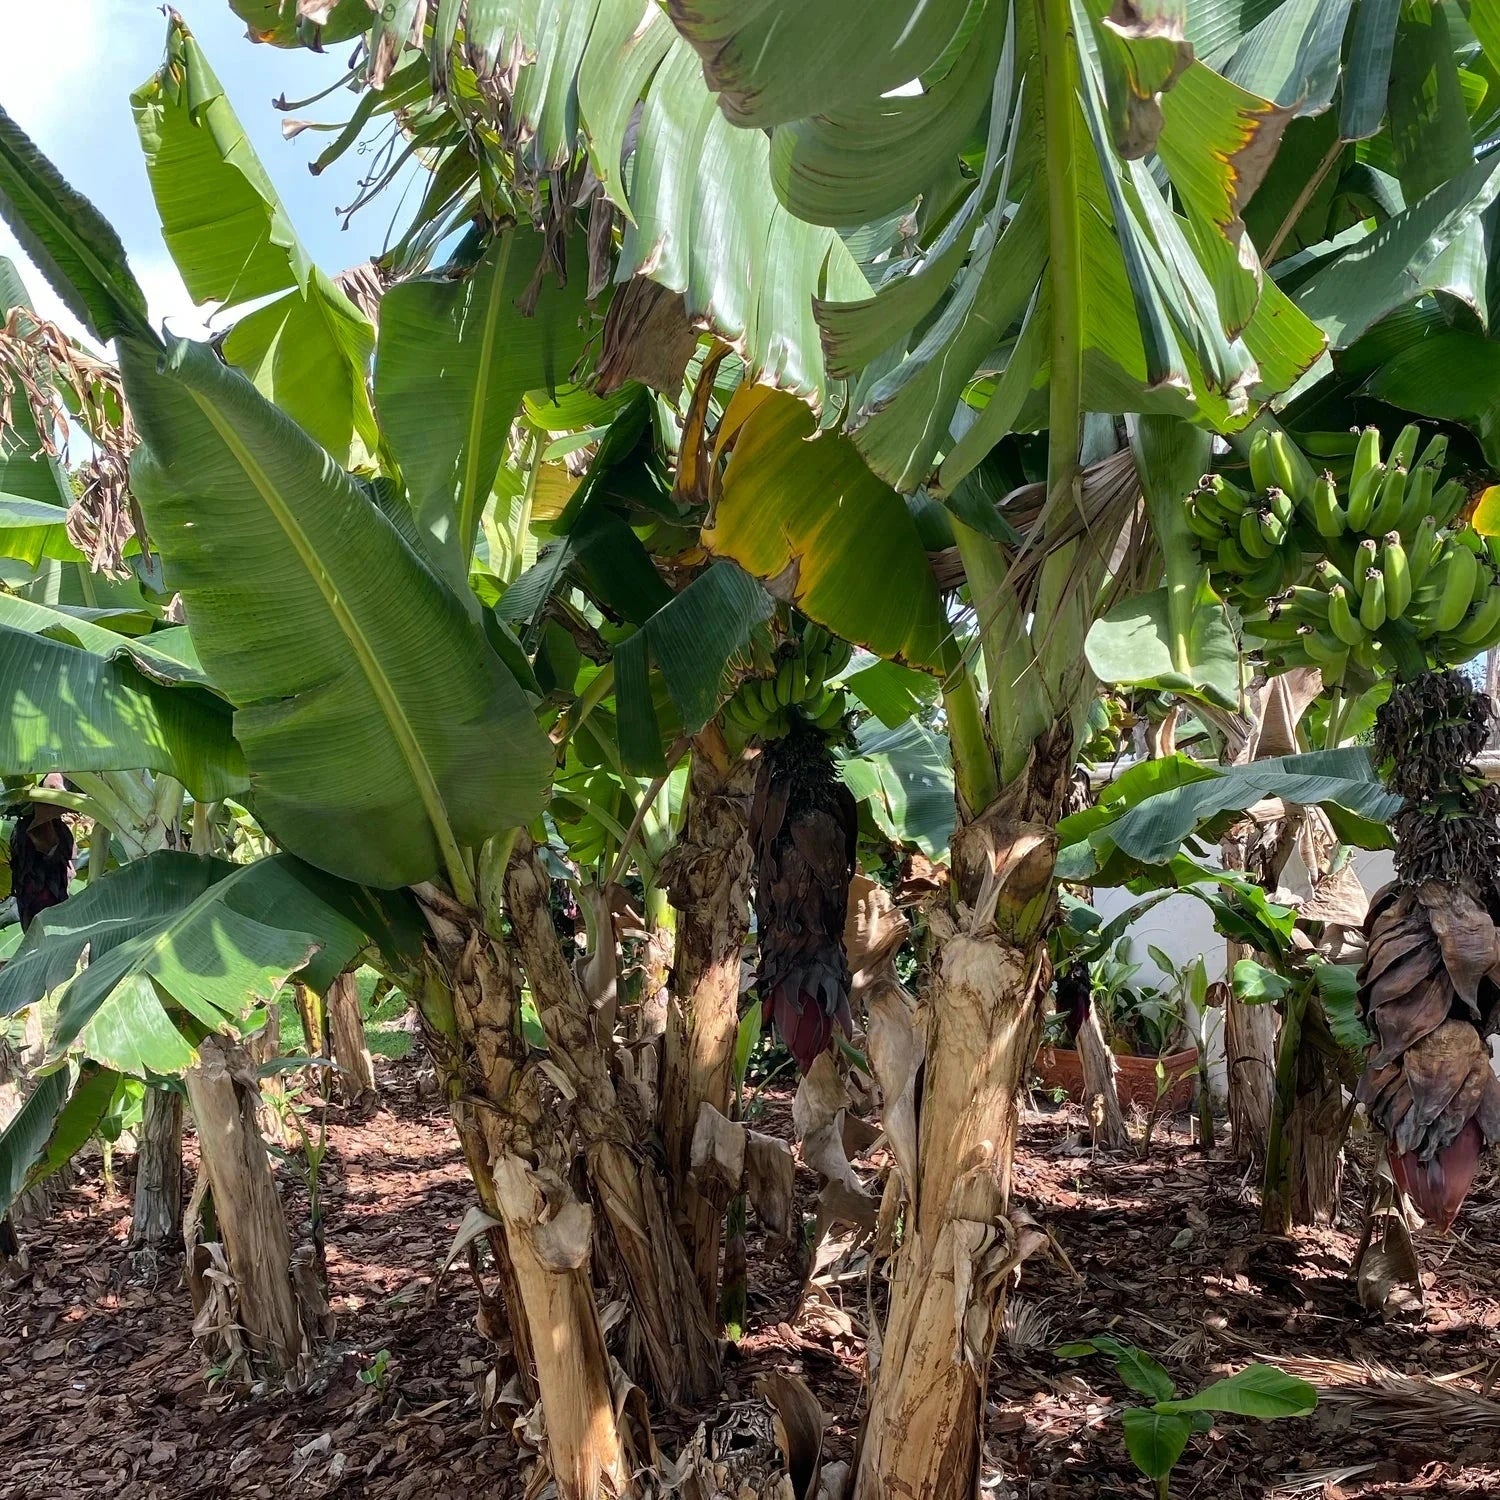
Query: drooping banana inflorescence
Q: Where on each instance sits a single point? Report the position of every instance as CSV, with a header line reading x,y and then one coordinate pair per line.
x,y
804,825
1430,984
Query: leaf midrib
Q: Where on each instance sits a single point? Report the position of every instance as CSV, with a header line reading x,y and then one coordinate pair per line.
x,y
468,509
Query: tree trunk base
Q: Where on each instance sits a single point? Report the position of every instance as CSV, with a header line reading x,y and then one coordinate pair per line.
x,y
156,1220
222,1090
1101,1096
1315,1136
355,1078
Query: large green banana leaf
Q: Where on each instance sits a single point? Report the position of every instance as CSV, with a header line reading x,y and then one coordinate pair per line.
x,y
166,656
56,1122
380,728
455,357
691,638
1149,812
24,1139
906,776
90,707
1176,316
173,940
308,350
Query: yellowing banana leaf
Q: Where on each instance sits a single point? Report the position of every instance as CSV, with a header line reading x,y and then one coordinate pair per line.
x,y
804,514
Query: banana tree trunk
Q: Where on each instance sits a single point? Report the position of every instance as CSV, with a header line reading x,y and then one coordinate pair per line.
x,y
467,998
1304,1157
1315,1136
675,1330
346,1026
1249,1041
1101,1096
156,1220
990,979
225,1100
707,878
650,1015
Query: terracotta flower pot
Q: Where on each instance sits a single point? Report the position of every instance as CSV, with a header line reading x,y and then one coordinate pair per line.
x,y
1135,1077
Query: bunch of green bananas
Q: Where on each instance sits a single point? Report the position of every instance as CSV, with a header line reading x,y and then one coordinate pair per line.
x,y
762,707
1369,575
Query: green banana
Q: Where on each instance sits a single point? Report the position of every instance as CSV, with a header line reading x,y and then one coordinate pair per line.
x,y
1481,621
1492,546
799,680
1295,473
1328,515
814,639
1303,603
1423,550
1263,473
1365,557
765,696
1404,449
1342,620
1448,501
1255,543
1362,497
1273,630
835,710
1328,573
1268,578
1396,569
1434,453
1366,456
1459,569
838,658
819,701
1372,601
1219,500
1232,558
784,685
737,716
1419,486
1388,503
1331,655
1201,525
1271,527
1280,504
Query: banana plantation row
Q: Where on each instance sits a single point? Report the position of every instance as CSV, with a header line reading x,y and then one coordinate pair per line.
x,y
833,486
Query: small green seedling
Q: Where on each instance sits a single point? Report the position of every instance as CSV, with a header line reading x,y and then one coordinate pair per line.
x,y
377,1371
1156,1435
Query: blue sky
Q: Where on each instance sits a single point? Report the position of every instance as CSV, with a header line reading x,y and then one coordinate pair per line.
x,y
66,72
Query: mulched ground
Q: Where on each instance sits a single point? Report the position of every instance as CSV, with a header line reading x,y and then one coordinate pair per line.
x,y
102,1391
